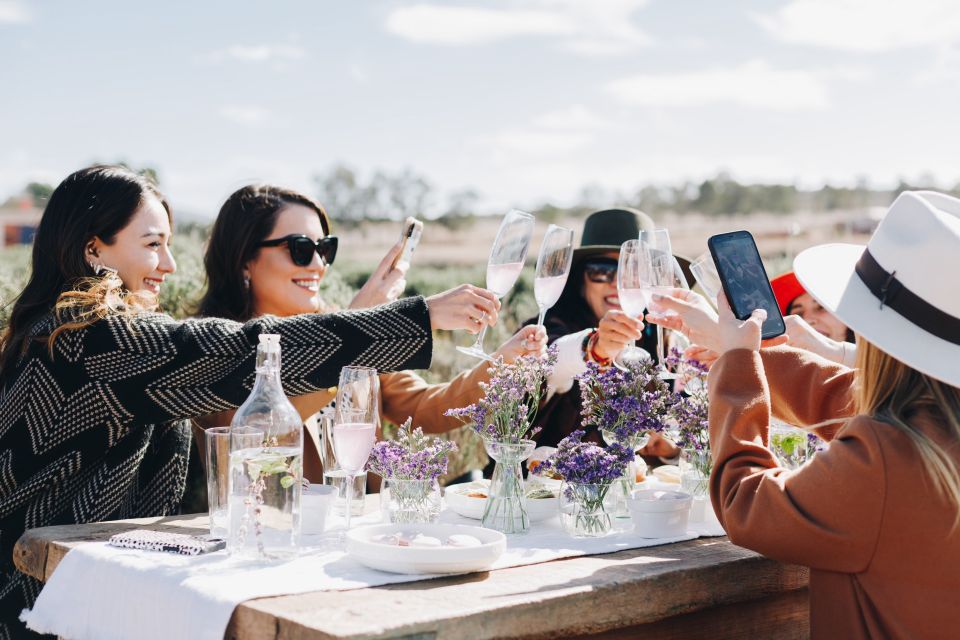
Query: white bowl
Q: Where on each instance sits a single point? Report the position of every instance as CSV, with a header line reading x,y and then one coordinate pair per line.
x,y
457,500
315,504
659,513
396,559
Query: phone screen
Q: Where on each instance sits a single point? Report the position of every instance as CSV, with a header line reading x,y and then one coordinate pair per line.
x,y
745,280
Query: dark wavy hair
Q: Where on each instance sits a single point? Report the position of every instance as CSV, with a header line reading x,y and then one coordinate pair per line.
x,y
95,202
245,219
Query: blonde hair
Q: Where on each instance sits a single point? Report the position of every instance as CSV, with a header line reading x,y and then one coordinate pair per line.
x,y
94,299
894,393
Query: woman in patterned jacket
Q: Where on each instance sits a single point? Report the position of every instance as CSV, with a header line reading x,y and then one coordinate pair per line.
x,y
95,387
253,270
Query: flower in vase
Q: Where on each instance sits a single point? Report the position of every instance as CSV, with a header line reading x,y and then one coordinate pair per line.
x,y
510,399
690,410
586,463
627,402
411,456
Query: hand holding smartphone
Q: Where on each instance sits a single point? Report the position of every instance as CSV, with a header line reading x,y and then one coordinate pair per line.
x,y
410,238
745,280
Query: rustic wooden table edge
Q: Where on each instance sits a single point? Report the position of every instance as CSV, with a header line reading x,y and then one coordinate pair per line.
x,y
581,595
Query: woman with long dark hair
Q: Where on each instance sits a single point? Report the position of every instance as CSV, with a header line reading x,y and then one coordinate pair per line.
x,y
253,270
95,386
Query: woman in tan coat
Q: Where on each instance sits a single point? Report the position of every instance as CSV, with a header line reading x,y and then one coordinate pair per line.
x,y
876,516
254,269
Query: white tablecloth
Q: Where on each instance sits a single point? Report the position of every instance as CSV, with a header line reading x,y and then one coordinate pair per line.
x,y
102,592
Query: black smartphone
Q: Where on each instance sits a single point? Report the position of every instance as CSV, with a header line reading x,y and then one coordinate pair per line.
x,y
744,279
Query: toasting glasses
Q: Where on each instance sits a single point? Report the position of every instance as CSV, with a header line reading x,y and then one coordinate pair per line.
x,y
553,267
505,264
663,276
634,286
355,423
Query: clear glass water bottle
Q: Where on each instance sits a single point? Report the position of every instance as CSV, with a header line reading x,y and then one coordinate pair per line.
x,y
265,481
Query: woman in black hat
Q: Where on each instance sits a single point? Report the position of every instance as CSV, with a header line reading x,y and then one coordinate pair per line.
x,y
587,323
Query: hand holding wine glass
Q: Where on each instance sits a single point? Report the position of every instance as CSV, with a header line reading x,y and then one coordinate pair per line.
x,y
633,290
553,267
504,265
355,422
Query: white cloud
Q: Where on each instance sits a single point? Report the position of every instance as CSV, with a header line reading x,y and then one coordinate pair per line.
x,y
13,12
864,25
245,114
601,27
259,53
532,143
753,84
574,117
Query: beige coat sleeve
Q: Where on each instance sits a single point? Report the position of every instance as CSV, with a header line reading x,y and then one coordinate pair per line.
x,y
825,515
405,394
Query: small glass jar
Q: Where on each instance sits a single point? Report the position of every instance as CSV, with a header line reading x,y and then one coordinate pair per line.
x,y
695,467
583,509
410,501
789,445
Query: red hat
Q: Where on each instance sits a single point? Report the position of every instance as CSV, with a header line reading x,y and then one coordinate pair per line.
x,y
786,289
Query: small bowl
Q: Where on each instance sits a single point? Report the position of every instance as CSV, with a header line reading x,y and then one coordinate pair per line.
x,y
394,559
315,504
659,513
459,502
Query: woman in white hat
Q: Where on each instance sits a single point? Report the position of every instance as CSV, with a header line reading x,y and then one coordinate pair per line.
x,y
877,516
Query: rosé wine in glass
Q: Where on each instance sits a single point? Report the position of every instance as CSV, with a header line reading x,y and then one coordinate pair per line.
x,y
547,291
352,443
502,277
634,300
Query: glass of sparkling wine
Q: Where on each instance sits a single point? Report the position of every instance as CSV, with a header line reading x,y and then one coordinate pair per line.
x,y
355,423
504,266
633,290
553,267
662,277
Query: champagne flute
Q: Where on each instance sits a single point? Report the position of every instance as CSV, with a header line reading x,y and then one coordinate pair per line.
x,y
634,287
355,423
504,266
553,267
657,243
666,274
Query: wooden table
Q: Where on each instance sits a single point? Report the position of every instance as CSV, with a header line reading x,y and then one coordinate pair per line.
x,y
705,588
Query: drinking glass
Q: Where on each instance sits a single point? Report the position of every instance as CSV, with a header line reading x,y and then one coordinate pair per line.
x,y
355,423
657,243
634,284
504,265
217,445
705,271
333,474
553,267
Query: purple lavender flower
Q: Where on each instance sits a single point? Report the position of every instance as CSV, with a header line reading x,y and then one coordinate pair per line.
x,y
690,406
412,456
511,399
626,402
587,463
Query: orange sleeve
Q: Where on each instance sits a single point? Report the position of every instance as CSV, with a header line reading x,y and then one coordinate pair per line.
x,y
405,394
807,390
825,515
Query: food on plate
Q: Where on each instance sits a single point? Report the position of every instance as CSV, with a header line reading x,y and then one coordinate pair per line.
x,y
421,540
540,493
463,540
667,473
477,494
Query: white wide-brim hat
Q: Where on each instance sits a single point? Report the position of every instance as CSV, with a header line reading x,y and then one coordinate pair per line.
x,y
902,291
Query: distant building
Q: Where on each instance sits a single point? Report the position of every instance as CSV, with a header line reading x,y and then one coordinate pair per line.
x,y
19,218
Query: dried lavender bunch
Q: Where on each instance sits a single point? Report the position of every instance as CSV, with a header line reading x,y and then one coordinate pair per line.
x,y
411,456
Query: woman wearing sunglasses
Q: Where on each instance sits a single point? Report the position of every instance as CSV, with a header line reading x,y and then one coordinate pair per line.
x,y
268,252
587,323
96,387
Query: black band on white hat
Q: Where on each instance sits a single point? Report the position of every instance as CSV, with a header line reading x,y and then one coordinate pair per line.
x,y
892,293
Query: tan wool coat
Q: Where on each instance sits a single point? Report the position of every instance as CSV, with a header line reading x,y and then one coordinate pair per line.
x,y
884,557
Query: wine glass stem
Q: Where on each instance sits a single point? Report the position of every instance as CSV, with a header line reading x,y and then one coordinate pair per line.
x,y
349,508
478,345
543,313
660,361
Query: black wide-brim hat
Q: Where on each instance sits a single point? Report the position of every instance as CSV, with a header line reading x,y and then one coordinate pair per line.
x,y
607,230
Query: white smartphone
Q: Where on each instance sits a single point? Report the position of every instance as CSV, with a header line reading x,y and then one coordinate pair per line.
x,y
410,237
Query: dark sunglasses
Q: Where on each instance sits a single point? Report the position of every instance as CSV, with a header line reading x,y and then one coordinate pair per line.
x,y
599,270
301,248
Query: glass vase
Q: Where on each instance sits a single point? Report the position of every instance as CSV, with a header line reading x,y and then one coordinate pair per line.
x,y
583,512
617,500
789,445
506,509
695,467
410,501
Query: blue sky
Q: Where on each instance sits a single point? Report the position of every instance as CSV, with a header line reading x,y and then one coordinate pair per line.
x,y
524,101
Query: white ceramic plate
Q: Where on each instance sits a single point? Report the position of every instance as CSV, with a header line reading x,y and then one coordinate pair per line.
x,y
395,559
457,500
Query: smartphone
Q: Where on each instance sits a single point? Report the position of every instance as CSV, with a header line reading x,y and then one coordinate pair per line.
x,y
179,543
744,279
410,237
